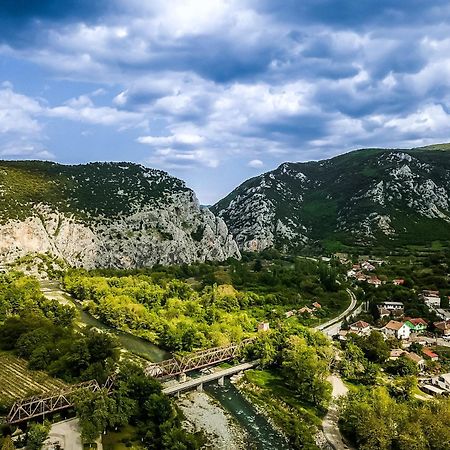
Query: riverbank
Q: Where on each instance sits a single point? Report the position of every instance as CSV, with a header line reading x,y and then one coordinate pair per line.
x,y
301,424
204,414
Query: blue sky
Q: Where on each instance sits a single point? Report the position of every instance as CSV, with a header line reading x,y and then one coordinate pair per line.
x,y
218,91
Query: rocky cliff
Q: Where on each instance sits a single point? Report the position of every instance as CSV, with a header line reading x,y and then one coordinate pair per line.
x,y
383,197
105,215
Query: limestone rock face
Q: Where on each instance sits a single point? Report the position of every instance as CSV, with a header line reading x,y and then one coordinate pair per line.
x,y
109,215
374,196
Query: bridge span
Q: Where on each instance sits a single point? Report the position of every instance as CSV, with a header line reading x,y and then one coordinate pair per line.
x,y
198,382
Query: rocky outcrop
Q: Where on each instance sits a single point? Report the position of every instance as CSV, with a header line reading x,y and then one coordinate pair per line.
x,y
366,197
172,228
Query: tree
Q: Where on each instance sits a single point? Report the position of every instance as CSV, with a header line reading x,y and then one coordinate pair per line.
x,y
305,372
36,435
374,347
402,366
95,411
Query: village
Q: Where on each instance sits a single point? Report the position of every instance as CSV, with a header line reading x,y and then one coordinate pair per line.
x,y
415,338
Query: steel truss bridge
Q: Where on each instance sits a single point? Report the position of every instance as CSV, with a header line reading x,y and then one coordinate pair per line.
x,y
40,405
193,361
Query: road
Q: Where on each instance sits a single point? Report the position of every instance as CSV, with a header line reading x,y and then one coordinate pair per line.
x,y
330,421
333,326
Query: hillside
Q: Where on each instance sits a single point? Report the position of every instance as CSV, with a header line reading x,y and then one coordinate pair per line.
x,y
383,197
105,215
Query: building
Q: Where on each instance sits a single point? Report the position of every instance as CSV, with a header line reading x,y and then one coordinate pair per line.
x,y
417,324
429,354
305,310
396,353
361,328
374,280
367,266
396,329
415,358
317,305
388,308
263,326
431,298
439,385
289,314
399,282
443,327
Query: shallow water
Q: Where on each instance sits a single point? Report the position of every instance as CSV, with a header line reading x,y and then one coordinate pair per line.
x,y
262,435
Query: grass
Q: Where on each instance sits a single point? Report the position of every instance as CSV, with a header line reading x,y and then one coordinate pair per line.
x,y
17,381
124,439
273,384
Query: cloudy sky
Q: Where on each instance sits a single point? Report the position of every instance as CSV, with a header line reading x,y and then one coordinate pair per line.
x,y
217,91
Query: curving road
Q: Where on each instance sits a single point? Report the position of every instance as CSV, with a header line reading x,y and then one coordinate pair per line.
x,y
333,326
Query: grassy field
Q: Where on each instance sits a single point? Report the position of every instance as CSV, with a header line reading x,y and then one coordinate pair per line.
x,y
16,381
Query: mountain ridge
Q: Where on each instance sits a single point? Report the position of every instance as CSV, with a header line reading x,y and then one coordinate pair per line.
x,y
364,197
105,215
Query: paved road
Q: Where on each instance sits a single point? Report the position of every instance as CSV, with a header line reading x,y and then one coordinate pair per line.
x,y
435,341
333,326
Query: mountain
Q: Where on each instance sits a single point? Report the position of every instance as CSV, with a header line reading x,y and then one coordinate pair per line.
x,y
105,215
383,197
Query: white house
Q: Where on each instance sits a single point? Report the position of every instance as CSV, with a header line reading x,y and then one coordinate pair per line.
x,y
396,329
387,308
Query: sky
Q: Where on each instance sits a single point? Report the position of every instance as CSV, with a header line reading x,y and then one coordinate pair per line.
x,y
218,91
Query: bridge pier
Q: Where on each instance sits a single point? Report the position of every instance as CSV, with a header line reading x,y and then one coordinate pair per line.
x,y
182,377
200,387
221,381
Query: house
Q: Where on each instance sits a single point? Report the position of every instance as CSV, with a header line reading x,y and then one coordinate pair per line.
x,y
263,326
361,277
289,314
429,354
439,385
417,325
431,298
443,327
356,267
304,310
442,313
317,305
416,358
361,328
374,280
396,329
396,353
351,273
367,266
399,282
388,308
342,335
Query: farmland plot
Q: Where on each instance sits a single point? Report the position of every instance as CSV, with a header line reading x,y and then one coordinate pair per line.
x,y
17,381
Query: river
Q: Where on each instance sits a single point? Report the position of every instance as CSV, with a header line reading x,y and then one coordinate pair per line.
x,y
260,432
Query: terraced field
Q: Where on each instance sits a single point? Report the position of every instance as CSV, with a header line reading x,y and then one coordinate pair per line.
x,y
16,381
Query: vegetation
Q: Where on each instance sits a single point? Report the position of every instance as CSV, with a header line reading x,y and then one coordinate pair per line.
x,y
292,388
81,190
374,420
17,381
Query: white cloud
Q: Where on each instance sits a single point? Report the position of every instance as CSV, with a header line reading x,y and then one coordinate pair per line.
x,y
255,163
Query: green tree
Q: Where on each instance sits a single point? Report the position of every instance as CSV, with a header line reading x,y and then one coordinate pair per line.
x,y
305,372
374,347
95,411
36,435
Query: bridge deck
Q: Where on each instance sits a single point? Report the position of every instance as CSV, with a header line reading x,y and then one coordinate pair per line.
x,y
187,385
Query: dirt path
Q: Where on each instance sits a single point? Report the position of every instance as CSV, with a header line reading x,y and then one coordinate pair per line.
x,y
330,421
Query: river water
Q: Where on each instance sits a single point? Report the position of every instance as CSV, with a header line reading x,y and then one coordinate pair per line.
x,y
260,432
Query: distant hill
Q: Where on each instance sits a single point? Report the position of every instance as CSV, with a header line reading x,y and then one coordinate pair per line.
x,y
105,215
383,197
